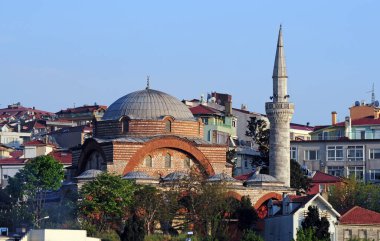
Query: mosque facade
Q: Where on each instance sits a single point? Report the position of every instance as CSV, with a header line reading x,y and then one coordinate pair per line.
x,y
150,137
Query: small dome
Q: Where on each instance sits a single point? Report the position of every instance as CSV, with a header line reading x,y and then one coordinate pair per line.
x,y
261,178
221,177
148,104
137,176
175,176
89,174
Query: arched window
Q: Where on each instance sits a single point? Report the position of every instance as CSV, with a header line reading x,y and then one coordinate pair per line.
x,y
125,125
168,161
186,162
148,161
168,126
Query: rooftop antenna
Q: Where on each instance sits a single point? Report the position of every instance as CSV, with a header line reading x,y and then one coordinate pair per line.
x,y
147,82
373,99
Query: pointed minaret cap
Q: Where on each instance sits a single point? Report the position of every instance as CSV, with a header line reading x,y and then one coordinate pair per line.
x,y
279,69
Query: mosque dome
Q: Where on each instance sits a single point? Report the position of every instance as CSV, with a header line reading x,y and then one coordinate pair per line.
x,y
148,104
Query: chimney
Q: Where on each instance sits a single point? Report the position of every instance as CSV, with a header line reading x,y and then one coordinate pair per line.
x,y
376,114
333,118
228,108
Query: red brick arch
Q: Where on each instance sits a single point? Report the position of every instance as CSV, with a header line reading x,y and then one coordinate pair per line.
x,y
169,142
266,197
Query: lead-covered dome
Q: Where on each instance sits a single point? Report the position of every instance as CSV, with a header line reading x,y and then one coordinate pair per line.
x,y
148,104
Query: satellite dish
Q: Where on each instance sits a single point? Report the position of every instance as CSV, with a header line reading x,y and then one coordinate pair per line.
x,y
376,103
357,103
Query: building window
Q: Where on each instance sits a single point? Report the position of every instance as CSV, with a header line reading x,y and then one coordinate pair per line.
x,y
362,234
322,188
311,155
374,175
336,171
293,153
355,153
168,126
347,234
356,172
374,153
205,121
125,125
335,153
148,161
168,161
233,123
186,162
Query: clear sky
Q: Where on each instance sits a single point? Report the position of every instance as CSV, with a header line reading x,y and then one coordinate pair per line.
x,y
57,53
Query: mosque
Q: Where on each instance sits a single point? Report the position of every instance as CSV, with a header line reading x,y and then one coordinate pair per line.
x,y
152,137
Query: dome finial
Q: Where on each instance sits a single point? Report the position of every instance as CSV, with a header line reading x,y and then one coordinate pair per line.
x,y
147,82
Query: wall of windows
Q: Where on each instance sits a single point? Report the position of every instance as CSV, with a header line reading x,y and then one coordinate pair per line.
x,y
311,155
335,153
374,175
374,153
293,153
357,172
355,153
336,171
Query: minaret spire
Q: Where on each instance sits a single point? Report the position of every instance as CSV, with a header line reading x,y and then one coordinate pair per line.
x,y
279,76
279,113
147,82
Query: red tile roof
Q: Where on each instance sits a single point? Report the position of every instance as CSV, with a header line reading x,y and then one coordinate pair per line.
x,y
301,199
301,127
244,177
81,109
13,161
63,157
34,143
16,154
369,120
321,177
359,215
201,109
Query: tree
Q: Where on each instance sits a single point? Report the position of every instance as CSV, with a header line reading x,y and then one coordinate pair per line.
x,y
352,193
259,131
250,235
319,225
105,203
29,187
306,235
298,179
246,214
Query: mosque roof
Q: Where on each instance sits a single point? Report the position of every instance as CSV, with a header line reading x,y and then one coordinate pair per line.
x,y
89,174
261,178
137,176
176,176
148,104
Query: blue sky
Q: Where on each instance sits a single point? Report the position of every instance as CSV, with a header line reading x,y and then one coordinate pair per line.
x,y
57,53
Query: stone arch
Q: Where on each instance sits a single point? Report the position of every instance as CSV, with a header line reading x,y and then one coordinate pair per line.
x,y
89,147
266,197
169,142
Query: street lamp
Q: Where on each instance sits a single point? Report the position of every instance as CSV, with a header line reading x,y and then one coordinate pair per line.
x,y
38,220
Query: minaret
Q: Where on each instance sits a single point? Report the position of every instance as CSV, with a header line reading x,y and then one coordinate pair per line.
x,y
279,113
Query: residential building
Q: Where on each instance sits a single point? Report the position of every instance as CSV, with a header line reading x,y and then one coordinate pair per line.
x,y
285,217
359,223
321,183
70,136
360,158
11,137
82,115
17,112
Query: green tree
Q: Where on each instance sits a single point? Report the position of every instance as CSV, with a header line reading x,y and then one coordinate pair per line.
x,y
352,193
29,187
105,203
133,230
246,214
306,235
250,235
318,224
298,179
259,131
